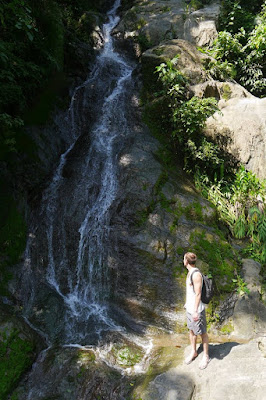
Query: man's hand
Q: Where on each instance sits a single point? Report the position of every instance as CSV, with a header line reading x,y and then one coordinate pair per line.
x,y
195,316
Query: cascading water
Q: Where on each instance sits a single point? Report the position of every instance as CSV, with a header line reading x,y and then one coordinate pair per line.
x,y
75,212
87,288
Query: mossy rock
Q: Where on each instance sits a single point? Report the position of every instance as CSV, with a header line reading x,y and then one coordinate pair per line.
x,y
221,258
19,346
226,92
227,328
67,373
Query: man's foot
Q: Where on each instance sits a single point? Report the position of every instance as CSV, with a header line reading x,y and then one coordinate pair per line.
x,y
191,358
204,362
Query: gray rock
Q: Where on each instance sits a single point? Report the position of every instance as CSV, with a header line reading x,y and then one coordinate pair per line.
x,y
71,373
149,224
241,130
262,345
222,91
249,316
189,60
200,25
251,271
235,372
170,19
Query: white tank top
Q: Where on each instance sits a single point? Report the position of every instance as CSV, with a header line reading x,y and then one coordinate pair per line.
x,y
190,295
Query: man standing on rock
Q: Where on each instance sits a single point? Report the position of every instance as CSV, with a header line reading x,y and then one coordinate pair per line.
x,y
196,317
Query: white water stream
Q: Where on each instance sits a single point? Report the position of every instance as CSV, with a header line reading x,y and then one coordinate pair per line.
x,y
80,276
88,286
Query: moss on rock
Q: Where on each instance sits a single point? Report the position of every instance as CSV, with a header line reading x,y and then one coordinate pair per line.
x,y
19,346
221,259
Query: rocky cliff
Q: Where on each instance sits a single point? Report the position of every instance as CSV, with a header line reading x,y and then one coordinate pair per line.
x,y
240,128
156,216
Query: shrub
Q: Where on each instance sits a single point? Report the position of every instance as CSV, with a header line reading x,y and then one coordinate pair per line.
x,y
240,53
186,119
241,205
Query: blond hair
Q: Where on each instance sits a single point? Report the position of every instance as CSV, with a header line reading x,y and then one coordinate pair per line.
x,y
191,258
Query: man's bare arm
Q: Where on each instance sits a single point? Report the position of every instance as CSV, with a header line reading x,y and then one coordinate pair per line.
x,y
197,283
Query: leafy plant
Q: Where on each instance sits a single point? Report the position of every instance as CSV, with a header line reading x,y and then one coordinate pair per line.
x,y
234,15
239,51
127,357
241,286
241,204
186,118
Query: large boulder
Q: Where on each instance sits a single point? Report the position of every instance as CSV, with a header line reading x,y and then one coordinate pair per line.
x,y
189,61
249,316
240,129
235,372
149,23
72,373
200,25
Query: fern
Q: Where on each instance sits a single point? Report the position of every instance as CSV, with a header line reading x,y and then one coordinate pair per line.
x,y
263,254
262,228
240,227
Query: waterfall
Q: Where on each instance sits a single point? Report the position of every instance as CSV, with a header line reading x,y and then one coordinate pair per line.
x,y
74,221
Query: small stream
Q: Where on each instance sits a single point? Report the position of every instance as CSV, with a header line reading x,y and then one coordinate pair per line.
x,y
67,254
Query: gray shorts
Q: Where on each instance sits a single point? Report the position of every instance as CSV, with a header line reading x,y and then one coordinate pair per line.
x,y
198,327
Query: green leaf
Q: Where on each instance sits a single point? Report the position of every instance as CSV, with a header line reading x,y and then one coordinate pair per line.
x,y
30,36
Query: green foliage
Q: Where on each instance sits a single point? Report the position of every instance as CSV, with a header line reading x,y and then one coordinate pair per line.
x,y
194,211
12,236
33,52
185,118
219,256
174,83
34,40
16,356
127,357
235,15
241,204
227,328
239,52
143,41
241,286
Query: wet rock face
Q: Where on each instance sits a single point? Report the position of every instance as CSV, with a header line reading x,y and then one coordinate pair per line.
x,y
69,373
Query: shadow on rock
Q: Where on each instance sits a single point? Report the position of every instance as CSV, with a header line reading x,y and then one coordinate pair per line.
x,y
220,351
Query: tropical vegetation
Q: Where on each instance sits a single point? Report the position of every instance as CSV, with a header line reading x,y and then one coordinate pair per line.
x,y
238,52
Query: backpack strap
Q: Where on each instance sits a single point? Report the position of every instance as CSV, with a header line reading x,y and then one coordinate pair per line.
x,y
191,281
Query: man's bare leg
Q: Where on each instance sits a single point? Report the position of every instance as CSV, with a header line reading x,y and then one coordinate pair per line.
x,y
205,343
205,359
193,342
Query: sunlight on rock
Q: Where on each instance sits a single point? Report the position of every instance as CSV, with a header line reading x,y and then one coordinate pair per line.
x,y
125,160
155,219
